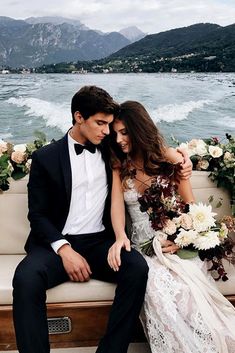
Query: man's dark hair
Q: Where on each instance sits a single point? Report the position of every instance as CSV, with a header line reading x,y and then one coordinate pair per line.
x,y
90,100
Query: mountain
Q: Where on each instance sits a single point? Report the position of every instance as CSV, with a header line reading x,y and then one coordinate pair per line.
x,y
132,33
31,45
200,47
56,20
173,42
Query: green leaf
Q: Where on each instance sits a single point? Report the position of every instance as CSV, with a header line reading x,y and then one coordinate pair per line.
x,y
187,254
210,198
4,185
4,161
18,175
219,204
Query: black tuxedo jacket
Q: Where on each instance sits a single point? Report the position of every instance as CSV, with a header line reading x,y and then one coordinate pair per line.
x,y
49,192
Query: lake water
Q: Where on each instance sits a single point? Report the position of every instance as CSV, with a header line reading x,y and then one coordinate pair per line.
x,y
185,105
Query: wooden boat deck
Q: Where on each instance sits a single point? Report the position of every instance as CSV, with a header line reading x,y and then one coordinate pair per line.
x,y
133,348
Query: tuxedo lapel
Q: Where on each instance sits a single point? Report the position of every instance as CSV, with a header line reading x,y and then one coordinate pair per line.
x,y
66,165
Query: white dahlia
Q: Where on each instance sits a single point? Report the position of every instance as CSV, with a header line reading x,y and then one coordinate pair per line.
x,y
202,216
207,241
185,237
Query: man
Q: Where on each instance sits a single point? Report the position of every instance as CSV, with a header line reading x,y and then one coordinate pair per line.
x,y
71,233
70,229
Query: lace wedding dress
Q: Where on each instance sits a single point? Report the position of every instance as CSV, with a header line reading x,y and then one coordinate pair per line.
x,y
183,311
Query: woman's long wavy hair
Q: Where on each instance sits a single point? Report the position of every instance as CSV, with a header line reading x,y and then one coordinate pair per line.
x,y
145,139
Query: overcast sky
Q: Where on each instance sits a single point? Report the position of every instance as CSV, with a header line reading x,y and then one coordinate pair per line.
x,y
151,16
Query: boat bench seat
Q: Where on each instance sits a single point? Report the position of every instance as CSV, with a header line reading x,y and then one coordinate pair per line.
x,y
77,312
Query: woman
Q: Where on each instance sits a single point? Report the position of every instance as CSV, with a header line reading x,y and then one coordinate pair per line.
x,y
183,311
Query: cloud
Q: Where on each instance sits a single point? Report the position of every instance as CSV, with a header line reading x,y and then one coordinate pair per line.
x,y
151,16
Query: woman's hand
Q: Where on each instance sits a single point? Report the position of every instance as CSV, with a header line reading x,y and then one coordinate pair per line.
x,y
186,166
114,254
169,246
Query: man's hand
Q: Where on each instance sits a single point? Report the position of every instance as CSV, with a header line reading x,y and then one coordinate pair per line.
x,y
75,265
169,246
114,254
186,165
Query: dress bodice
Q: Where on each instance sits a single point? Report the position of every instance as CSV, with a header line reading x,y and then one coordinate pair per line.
x,y
141,226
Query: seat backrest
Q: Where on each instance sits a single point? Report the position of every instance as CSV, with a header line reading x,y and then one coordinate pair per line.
x,y
14,225
204,188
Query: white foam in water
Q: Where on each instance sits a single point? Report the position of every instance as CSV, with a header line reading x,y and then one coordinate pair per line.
x,y
6,136
226,121
55,115
174,112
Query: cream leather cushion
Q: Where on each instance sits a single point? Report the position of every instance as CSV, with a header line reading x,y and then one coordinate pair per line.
x,y
14,229
14,225
67,292
73,292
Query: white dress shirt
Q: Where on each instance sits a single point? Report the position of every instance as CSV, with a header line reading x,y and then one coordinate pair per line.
x,y
89,191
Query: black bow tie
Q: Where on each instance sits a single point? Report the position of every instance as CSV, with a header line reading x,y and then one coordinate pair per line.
x,y
79,148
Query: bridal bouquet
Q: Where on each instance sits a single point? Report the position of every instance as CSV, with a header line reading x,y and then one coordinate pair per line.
x,y
192,227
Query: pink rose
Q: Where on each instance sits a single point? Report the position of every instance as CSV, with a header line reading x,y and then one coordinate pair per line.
x,y
18,157
185,221
170,227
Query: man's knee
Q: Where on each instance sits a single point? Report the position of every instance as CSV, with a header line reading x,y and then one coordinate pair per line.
x,y
135,266
28,283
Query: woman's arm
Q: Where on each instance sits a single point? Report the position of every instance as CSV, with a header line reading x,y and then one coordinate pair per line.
x,y
184,190
184,185
118,222
117,206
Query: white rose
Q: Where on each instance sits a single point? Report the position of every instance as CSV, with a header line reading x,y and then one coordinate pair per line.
x,y
215,151
198,147
3,147
18,157
20,148
203,164
228,156
192,144
185,146
201,148
170,227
